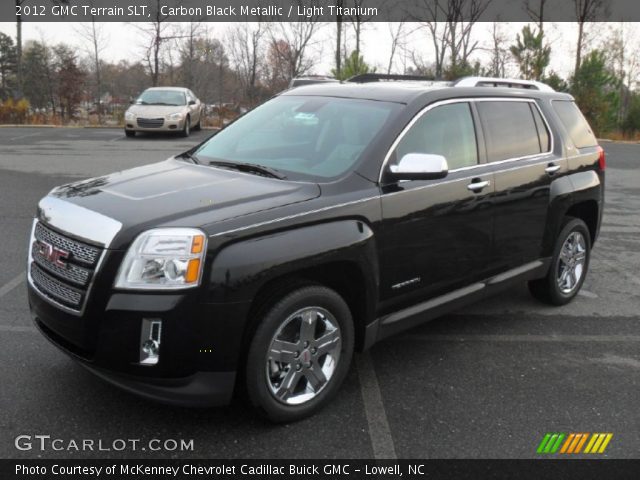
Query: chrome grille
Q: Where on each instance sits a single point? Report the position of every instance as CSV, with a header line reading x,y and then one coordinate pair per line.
x,y
55,289
78,250
64,279
150,122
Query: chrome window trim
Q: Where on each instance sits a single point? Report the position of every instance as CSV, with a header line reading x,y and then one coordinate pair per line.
x,y
426,109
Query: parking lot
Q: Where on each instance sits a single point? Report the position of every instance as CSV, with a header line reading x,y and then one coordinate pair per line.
x,y
486,382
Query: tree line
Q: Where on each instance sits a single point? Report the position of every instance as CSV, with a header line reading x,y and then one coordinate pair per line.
x,y
250,62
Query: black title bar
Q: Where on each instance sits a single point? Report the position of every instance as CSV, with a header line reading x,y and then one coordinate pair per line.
x,y
301,10
318,469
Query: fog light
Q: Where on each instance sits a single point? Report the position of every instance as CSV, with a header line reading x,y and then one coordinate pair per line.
x,y
150,336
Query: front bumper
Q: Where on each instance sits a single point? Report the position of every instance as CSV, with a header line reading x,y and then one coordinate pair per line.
x,y
168,126
199,351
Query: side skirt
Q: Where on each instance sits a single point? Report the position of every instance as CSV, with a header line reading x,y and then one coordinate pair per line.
x,y
417,314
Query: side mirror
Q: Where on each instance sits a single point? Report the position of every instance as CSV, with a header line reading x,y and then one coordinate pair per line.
x,y
192,102
420,166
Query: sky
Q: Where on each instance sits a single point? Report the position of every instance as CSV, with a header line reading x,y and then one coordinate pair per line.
x,y
124,41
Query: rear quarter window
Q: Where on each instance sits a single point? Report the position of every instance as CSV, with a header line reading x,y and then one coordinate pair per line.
x,y
574,122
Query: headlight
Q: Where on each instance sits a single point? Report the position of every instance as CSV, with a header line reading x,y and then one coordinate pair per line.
x,y
129,116
164,259
175,116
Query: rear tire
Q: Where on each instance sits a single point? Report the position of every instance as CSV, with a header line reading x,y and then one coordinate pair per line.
x,y
300,354
569,265
130,133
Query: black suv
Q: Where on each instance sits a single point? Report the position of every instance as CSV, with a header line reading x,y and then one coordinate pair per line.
x,y
320,222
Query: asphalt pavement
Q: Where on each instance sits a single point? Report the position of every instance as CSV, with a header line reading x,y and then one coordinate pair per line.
x,y
485,382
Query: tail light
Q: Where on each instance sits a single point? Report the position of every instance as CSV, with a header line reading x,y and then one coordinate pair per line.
x,y
602,159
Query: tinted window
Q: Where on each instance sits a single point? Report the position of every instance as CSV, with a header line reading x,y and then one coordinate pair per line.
x,y
510,130
576,125
446,130
543,133
304,137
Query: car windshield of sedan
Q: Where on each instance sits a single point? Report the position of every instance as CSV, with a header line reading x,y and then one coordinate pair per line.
x,y
300,137
162,97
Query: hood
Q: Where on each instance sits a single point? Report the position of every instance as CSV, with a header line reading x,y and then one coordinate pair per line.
x,y
166,192
152,111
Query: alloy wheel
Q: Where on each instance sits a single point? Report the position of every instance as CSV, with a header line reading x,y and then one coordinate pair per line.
x,y
571,262
303,355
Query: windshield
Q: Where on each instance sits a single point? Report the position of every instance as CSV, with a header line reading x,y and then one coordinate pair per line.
x,y
304,138
162,97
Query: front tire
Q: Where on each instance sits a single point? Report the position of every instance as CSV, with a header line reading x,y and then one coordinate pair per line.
x,y
569,265
130,133
186,130
300,354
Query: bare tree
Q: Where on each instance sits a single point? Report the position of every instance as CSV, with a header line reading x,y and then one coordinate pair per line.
x,y
586,11
192,33
19,45
461,17
535,10
302,43
339,21
94,34
357,21
438,31
244,43
499,51
398,38
157,32
623,57
450,24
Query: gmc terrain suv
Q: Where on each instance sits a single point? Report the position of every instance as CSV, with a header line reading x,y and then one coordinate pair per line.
x,y
322,221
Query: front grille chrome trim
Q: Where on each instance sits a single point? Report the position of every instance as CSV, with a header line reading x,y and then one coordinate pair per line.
x,y
82,224
31,263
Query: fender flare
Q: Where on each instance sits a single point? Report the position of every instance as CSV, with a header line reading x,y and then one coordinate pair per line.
x,y
565,192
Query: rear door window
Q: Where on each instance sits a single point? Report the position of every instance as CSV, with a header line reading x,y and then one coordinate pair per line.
x,y
510,130
575,123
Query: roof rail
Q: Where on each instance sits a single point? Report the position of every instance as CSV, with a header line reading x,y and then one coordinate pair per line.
x,y
502,82
376,77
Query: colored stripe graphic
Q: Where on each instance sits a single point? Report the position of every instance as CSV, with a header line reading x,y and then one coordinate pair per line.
x,y
572,443
598,443
551,443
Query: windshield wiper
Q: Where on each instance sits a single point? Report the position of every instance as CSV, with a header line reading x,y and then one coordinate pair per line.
x,y
190,156
249,168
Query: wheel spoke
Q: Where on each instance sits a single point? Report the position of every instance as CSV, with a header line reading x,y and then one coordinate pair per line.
x,y
288,385
282,351
327,343
562,281
315,376
308,326
572,278
565,256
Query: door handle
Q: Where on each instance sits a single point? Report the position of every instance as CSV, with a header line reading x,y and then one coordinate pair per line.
x,y
551,168
477,186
